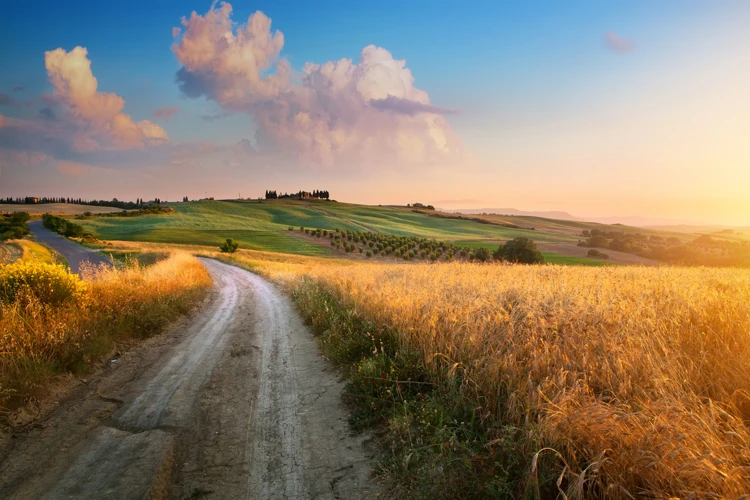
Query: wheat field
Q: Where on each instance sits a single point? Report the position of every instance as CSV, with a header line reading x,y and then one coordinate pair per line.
x,y
634,380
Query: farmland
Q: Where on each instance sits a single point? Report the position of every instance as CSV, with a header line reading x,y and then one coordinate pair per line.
x,y
264,226
539,380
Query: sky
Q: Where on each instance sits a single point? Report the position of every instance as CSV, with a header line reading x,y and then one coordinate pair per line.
x,y
600,109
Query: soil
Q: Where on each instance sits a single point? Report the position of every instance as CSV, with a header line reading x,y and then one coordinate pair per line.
x,y
234,401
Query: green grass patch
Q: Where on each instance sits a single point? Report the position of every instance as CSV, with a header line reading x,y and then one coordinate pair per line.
x,y
569,260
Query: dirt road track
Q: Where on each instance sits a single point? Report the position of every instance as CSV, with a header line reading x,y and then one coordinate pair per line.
x,y
74,253
234,402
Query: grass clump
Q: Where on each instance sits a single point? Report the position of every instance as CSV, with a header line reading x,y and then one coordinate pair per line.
x,y
52,322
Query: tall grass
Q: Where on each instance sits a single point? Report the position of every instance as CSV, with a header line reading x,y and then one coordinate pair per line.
x,y
52,322
607,382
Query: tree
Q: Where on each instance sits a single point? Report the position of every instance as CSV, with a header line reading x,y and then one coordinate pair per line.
x,y
482,254
229,246
520,250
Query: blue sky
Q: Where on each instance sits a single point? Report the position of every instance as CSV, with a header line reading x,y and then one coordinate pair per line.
x,y
542,100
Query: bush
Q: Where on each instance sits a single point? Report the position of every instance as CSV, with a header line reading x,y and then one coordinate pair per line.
x,y
229,246
482,254
521,251
596,253
50,284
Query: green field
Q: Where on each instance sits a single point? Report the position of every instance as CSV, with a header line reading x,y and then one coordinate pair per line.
x,y
264,226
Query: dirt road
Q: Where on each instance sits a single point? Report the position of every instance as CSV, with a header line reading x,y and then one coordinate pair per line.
x,y
75,254
233,402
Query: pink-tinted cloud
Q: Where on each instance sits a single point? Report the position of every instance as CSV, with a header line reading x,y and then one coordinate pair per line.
x,y
21,158
176,32
71,168
166,112
2,121
407,107
617,43
100,114
339,112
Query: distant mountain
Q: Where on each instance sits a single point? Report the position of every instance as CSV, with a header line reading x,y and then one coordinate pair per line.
x,y
512,211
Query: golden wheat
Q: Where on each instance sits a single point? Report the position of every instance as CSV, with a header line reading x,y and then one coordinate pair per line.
x,y
638,378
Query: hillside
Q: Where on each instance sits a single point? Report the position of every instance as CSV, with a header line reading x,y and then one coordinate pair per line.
x,y
265,226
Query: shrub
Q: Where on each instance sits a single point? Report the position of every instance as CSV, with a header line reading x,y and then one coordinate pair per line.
x,y
229,246
520,250
369,253
596,253
482,254
14,226
49,284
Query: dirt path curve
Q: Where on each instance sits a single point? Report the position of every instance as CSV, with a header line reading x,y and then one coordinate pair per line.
x,y
75,254
234,402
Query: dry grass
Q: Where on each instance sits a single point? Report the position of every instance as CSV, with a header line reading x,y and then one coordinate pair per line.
x,y
625,382
40,339
635,380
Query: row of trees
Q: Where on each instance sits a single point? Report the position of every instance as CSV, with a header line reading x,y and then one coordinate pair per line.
x,y
114,202
519,250
302,195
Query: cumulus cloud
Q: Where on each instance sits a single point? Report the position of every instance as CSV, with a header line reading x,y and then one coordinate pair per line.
x,y
342,111
100,114
407,107
617,43
167,112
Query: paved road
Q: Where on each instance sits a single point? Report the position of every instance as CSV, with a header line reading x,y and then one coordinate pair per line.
x,y
74,253
237,403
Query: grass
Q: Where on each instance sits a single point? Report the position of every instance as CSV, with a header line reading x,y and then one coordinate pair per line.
x,y
263,226
33,251
43,336
29,251
496,381
56,208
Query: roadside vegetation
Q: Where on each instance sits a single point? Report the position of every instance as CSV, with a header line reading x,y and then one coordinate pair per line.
x,y
62,226
532,382
53,322
13,226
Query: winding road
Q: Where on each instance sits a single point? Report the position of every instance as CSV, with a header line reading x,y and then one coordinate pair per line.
x,y
234,401
74,253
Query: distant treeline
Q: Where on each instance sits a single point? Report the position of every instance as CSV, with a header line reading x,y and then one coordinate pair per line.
x,y
127,205
302,195
702,251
